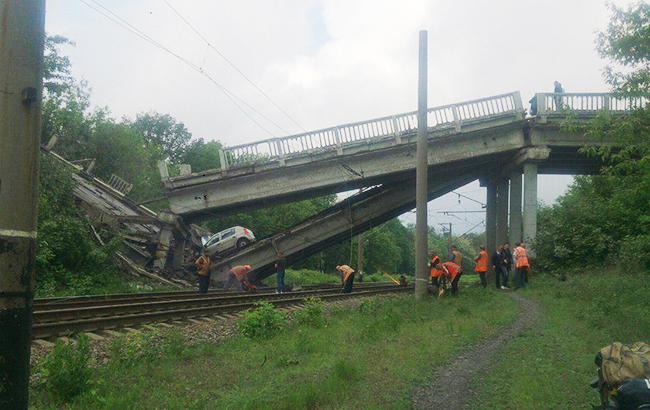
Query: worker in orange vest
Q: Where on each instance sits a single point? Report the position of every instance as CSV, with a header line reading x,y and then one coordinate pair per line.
x,y
237,278
453,271
436,272
347,277
203,265
482,262
522,266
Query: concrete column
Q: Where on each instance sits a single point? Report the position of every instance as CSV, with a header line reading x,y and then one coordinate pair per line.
x,y
502,212
179,252
491,217
22,34
515,208
530,205
421,184
164,240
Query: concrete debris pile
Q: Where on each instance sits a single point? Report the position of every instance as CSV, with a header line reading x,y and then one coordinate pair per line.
x,y
111,213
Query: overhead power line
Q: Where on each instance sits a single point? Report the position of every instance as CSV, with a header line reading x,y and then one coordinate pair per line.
x,y
234,67
110,15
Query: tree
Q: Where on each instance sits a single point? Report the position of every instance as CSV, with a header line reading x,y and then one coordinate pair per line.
x,y
166,138
607,217
202,155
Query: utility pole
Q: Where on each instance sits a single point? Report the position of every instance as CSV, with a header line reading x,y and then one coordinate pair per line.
x,y
449,242
22,34
360,256
421,184
360,251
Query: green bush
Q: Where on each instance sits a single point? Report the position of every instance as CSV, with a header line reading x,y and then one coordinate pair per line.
x,y
66,371
368,306
311,314
263,322
131,348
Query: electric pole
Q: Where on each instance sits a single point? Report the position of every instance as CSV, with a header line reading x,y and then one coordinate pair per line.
x,y
421,184
360,256
22,34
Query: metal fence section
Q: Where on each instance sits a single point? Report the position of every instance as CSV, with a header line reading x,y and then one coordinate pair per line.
x,y
585,103
453,115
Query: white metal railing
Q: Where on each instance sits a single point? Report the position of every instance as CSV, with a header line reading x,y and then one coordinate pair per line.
x,y
453,115
582,103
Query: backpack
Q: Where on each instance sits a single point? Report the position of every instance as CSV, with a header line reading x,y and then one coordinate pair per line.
x,y
632,394
620,362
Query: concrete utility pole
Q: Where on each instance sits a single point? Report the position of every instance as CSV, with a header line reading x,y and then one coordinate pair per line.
x,y
421,185
22,34
360,256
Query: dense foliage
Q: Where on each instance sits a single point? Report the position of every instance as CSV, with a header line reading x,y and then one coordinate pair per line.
x,y
606,218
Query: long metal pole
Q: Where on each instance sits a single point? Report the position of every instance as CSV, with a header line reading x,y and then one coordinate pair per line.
x,y
22,33
421,184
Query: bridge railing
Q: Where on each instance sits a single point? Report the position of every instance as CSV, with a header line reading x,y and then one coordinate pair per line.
x,y
585,103
453,115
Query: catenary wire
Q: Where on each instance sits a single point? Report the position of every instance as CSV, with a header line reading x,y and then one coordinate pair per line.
x,y
231,64
99,8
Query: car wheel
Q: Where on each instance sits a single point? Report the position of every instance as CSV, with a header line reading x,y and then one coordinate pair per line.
x,y
242,243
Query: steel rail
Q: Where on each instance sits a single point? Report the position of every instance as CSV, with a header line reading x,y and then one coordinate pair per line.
x,y
41,316
66,328
119,298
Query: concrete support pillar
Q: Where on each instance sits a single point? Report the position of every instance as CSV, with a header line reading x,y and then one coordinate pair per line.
x,y
502,212
515,208
491,217
179,252
164,240
530,205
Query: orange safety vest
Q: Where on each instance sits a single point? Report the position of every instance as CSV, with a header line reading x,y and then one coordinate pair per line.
x,y
346,271
202,265
482,262
239,272
435,273
452,268
522,258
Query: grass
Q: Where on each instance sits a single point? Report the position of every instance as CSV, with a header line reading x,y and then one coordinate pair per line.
x,y
372,356
551,366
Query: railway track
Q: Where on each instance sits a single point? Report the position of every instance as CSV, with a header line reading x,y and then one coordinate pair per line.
x,y
67,316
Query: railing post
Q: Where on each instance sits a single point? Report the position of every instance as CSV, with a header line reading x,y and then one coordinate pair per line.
x,y
454,111
398,138
337,137
223,159
606,102
519,106
541,106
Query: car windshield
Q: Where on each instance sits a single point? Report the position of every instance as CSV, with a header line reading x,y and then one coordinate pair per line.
x,y
213,239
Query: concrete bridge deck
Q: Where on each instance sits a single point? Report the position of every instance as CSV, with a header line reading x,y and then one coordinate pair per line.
x,y
488,139
382,150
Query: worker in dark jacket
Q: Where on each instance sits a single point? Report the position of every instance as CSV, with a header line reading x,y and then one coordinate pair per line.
x,y
499,266
507,253
280,266
203,265
347,277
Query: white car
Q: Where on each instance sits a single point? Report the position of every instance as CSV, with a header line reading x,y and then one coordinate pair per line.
x,y
236,237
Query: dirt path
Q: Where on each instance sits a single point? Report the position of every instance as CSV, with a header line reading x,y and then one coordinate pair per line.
x,y
465,370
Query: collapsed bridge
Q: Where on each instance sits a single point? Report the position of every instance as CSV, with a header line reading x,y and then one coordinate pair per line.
x,y
490,139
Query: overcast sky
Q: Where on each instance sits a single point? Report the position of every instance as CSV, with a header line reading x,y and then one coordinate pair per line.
x,y
326,62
